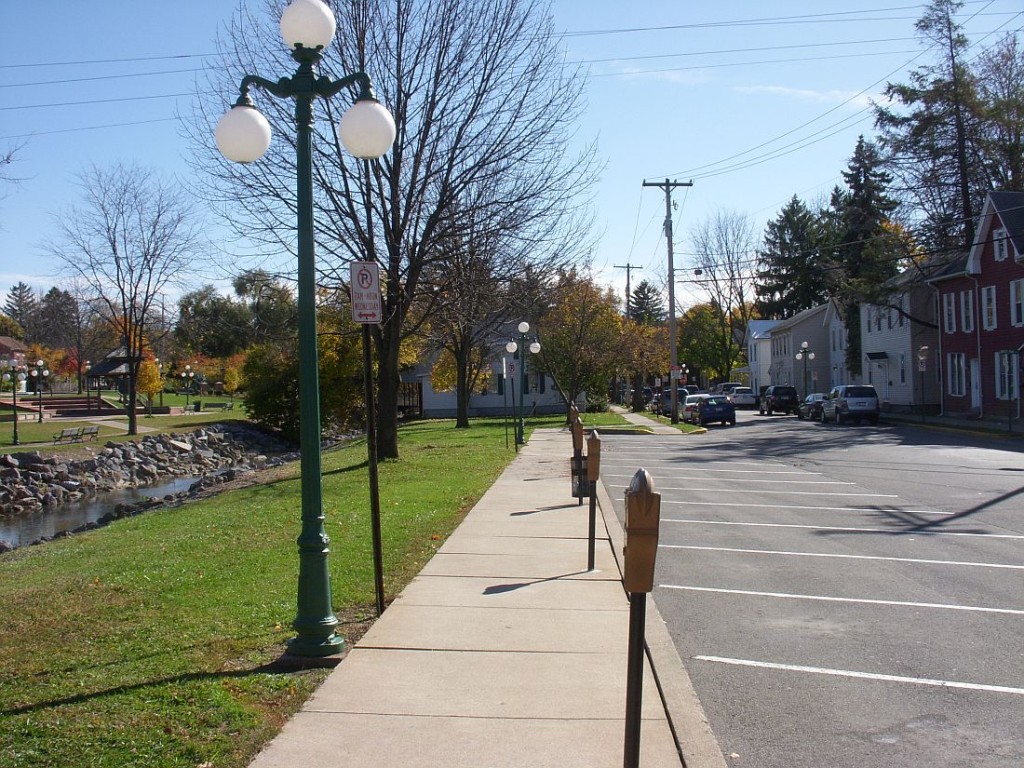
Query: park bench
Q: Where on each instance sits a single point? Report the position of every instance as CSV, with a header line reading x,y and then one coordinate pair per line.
x,y
218,406
92,432
71,435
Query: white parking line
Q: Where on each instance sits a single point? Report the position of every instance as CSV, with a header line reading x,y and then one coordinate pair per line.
x,y
731,471
866,601
842,557
814,509
863,675
788,492
889,531
791,483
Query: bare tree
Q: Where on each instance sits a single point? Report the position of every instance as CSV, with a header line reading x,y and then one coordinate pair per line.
x,y
482,100
725,244
131,239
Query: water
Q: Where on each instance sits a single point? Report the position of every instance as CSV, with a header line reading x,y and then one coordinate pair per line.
x,y
22,529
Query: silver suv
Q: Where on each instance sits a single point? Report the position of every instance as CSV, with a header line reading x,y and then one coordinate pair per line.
x,y
850,402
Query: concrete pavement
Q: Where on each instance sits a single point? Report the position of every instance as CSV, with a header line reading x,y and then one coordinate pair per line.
x,y
505,651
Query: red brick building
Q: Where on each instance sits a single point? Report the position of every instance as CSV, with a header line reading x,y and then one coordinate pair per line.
x,y
981,316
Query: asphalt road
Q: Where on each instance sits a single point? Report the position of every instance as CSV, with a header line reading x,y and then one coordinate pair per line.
x,y
843,596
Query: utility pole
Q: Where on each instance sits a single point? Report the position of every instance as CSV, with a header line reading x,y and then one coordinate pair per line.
x,y
667,186
629,269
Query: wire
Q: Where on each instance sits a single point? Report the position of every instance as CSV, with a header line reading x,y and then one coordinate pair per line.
x,y
101,77
744,50
637,72
87,128
95,101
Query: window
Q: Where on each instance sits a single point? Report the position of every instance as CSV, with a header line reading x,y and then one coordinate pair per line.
x,y
949,311
957,384
988,307
1006,375
1000,244
1017,302
903,367
967,311
903,308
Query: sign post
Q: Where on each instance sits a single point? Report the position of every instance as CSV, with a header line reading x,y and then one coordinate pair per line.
x,y
364,283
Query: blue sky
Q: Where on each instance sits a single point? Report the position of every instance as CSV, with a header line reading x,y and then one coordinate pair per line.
x,y
676,89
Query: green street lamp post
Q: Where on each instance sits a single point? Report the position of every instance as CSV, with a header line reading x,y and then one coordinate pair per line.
x,y
88,402
39,375
367,131
805,354
523,342
16,377
187,377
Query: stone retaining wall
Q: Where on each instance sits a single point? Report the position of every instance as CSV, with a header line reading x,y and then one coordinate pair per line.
x,y
31,481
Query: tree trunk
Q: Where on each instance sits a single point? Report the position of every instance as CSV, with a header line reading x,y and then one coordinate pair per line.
x,y
462,387
389,386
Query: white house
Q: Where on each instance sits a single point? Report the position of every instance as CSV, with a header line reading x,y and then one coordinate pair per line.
x,y
759,353
819,335
895,338
538,393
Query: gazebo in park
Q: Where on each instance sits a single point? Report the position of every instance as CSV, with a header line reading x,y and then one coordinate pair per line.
x,y
110,373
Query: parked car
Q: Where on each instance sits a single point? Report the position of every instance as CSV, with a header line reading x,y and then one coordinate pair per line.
x,y
714,408
779,398
810,408
743,397
725,388
848,402
686,410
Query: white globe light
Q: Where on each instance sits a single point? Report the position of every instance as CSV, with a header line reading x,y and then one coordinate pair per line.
x,y
308,23
511,347
535,347
524,327
243,134
367,129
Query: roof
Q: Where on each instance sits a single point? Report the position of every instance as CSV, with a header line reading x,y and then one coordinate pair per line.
x,y
761,329
109,367
801,317
1009,207
956,268
12,344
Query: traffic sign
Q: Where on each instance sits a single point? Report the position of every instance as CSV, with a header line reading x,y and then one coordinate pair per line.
x,y
364,285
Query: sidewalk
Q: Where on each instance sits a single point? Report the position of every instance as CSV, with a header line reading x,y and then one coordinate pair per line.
x,y
504,650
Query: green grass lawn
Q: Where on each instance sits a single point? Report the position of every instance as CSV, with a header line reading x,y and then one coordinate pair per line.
x,y
150,642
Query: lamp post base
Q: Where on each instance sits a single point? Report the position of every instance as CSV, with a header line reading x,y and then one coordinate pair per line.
x,y
315,648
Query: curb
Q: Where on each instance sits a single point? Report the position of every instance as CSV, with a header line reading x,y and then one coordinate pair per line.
x,y
695,742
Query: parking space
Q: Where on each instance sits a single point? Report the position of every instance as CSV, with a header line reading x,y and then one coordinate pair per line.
x,y
805,599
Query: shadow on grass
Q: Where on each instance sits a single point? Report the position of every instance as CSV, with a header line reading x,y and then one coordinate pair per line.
x,y
276,667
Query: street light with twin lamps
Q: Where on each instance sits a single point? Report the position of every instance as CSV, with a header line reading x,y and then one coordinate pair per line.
x,y
367,131
805,354
16,377
39,375
523,342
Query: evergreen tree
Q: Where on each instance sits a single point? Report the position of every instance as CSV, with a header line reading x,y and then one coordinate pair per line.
x,y
646,306
22,307
57,320
789,276
929,145
867,248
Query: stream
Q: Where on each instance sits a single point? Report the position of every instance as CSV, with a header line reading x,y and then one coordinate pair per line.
x,y
22,529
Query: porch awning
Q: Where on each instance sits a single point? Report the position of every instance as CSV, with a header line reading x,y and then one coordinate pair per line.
x,y
877,356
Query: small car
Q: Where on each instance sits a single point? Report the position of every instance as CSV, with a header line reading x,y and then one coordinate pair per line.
x,y
851,402
714,408
687,408
810,408
781,398
743,397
